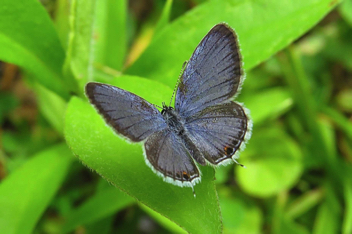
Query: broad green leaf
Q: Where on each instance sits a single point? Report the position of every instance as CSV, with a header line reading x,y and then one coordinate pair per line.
x,y
28,39
110,39
123,165
79,59
273,163
276,100
264,27
26,193
101,205
166,223
52,106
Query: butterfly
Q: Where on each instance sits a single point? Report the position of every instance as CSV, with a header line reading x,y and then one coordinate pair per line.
x,y
204,127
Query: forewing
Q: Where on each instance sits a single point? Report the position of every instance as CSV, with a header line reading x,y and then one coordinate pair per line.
x,y
220,131
127,113
213,74
168,157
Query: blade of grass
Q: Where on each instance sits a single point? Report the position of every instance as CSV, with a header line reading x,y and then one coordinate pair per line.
x,y
347,221
340,120
298,82
61,20
105,203
26,193
304,203
281,223
79,56
164,18
52,106
110,37
328,218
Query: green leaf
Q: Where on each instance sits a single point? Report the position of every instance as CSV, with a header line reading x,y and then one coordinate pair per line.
x,y
347,221
123,165
328,218
28,39
101,205
164,18
26,193
304,203
222,174
345,10
61,21
273,163
344,100
79,60
277,101
264,27
110,37
290,227
52,106
328,135
298,82
168,224
343,123
240,217
281,223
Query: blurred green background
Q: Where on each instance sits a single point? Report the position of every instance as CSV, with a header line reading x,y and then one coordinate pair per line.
x,y
57,154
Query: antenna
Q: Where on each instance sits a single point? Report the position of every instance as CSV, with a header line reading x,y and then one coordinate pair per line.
x,y
157,106
178,80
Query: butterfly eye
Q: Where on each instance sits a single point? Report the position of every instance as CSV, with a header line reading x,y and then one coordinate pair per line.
x,y
228,150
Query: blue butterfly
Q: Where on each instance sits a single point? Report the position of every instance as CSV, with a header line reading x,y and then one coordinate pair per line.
x,y
204,126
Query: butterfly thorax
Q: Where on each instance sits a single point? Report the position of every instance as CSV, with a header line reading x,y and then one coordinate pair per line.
x,y
173,120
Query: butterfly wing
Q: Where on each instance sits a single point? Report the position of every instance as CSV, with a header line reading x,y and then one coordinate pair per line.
x,y
213,74
127,113
219,131
168,156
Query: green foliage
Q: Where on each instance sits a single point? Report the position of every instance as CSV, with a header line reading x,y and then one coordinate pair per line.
x,y
272,169
102,204
26,193
298,163
28,39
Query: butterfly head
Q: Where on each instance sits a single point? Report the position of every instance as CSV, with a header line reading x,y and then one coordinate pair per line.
x,y
166,109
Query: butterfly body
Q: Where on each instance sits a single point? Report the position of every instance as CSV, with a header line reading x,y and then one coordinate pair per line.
x,y
173,120
205,126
